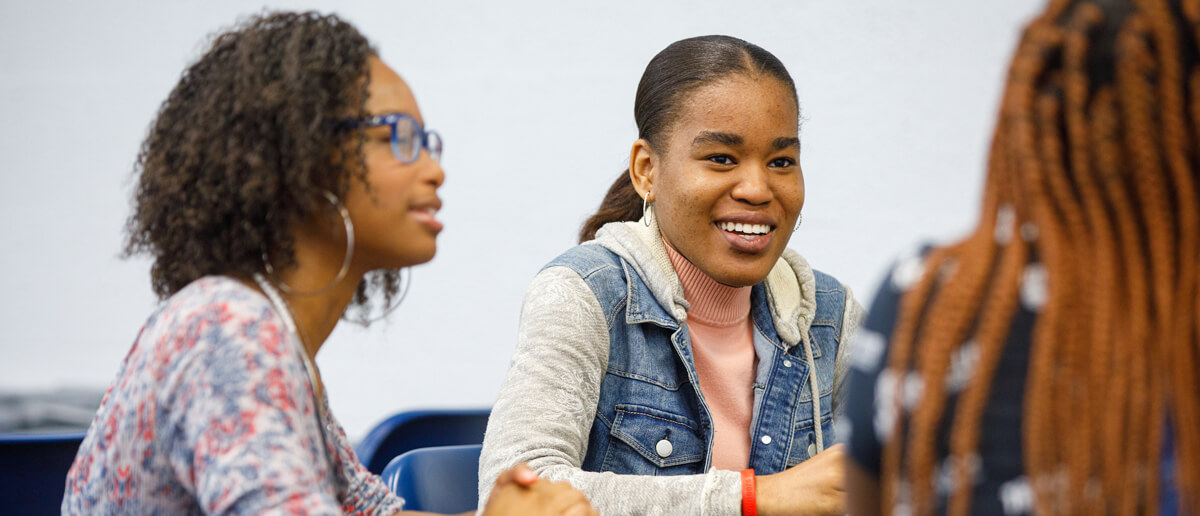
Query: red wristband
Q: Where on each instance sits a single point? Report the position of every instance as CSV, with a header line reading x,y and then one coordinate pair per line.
x,y
749,504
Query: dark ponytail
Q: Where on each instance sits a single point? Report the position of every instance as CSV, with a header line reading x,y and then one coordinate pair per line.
x,y
678,70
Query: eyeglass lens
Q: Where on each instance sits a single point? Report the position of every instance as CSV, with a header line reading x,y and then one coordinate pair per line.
x,y
433,142
405,142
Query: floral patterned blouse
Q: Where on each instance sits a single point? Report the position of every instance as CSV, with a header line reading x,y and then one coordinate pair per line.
x,y
213,412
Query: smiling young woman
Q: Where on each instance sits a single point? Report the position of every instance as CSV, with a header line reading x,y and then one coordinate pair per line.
x,y
681,359
286,178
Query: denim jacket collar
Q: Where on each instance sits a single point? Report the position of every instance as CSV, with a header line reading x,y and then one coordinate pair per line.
x,y
656,294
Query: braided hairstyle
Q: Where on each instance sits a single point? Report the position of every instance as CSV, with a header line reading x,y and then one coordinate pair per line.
x,y
242,149
1094,157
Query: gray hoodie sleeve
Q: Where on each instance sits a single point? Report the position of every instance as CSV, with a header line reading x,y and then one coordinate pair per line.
x,y
547,403
852,316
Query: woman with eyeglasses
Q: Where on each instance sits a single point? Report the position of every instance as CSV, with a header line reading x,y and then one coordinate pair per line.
x,y
682,360
285,182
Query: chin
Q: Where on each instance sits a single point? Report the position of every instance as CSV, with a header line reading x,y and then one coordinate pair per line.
x,y
411,257
742,278
740,272
425,257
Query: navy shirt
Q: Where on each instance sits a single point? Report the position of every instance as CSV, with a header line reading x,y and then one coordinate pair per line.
x,y
999,482
1000,486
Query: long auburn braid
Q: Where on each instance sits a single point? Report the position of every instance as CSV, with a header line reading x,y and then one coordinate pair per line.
x,y
1094,171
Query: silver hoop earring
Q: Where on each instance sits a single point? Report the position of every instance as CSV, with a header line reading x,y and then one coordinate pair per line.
x,y
799,219
341,274
404,288
645,210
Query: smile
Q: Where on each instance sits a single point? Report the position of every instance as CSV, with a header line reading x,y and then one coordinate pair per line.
x,y
745,237
745,230
426,215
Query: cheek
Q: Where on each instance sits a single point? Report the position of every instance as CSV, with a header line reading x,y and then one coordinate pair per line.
x,y
381,198
790,192
390,182
687,203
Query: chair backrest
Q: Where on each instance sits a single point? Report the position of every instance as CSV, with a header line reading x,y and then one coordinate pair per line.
x,y
420,429
33,470
442,479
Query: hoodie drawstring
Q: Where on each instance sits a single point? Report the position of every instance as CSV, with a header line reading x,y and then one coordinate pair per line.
x,y
816,390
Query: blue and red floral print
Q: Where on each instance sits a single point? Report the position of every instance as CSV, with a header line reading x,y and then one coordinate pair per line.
x,y
213,412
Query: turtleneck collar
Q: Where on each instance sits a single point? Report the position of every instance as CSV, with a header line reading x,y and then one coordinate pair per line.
x,y
711,303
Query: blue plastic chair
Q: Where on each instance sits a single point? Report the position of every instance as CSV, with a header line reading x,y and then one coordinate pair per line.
x,y
442,479
420,429
33,470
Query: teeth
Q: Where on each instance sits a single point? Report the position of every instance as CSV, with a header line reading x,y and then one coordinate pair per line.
x,y
750,229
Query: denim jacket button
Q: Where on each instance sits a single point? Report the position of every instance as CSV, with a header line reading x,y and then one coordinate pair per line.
x,y
766,439
812,449
664,448
787,363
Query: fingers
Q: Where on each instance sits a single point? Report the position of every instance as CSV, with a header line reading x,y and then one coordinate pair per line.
x,y
561,497
832,460
838,449
582,509
523,475
500,499
520,475
504,479
542,497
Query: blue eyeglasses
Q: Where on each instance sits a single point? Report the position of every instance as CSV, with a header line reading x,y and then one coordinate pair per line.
x,y
408,137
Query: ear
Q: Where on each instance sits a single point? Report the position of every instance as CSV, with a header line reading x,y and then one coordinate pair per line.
x,y
641,169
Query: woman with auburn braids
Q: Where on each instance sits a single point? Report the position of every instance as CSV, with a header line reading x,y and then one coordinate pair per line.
x,y
288,177
1049,362
682,360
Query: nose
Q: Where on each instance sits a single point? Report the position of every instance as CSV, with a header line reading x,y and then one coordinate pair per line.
x,y
434,174
753,185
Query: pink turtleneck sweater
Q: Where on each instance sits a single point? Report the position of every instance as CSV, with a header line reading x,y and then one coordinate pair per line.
x,y
722,338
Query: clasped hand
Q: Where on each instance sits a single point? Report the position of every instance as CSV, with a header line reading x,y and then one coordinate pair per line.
x,y
519,491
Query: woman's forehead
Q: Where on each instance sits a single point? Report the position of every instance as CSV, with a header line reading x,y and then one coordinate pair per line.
x,y
742,105
388,93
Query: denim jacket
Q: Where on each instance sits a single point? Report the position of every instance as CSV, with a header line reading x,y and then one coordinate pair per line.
x,y
651,392
603,380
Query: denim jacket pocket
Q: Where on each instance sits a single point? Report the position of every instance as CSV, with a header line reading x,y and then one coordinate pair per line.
x,y
804,442
648,441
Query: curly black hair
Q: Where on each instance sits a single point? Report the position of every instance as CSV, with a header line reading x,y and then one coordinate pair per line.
x,y
243,148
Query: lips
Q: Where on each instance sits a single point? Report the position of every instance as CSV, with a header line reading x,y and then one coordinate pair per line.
x,y
426,215
748,232
748,229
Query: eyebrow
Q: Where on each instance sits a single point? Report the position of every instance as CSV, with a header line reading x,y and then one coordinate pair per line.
x,y
732,140
708,137
785,142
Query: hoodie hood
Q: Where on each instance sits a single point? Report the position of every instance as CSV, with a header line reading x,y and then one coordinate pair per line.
x,y
790,286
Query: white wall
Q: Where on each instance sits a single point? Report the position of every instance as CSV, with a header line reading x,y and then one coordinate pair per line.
x,y
535,101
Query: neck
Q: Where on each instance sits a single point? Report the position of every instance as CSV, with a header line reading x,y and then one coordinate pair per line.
x,y
710,302
317,315
316,300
